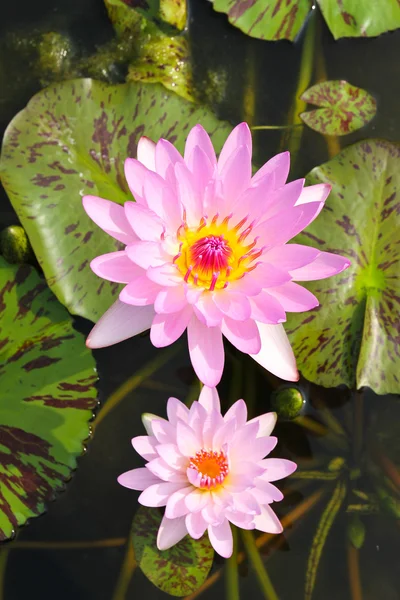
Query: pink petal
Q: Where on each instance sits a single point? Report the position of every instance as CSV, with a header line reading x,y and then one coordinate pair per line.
x,y
237,411
171,455
276,354
199,137
237,482
266,423
110,216
146,149
253,449
212,423
187,441
197,500
162,201
224,434
294,298
145,446
167,275
163,431
170,300
268,521
240,136
235,175
248,284
145,223
201,169
148,419
221,538
193,293
277,468
240,519
283,199
233,304
210,314
120,322
167,328
209,398
171,532
115,266
325,265
176,410
138,479
266,309
135,173
282,227
166,157
147,254
196,525
278,166
206,352
290,256
314,193
246,503
140,292
158,494
250,468
188,194
270,276
242,334
197,418
160,469
176,506
269,492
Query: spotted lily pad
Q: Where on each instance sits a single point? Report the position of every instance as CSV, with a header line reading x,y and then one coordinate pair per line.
x,y
276,20
72,139
179,571
353,337
344,108
47,383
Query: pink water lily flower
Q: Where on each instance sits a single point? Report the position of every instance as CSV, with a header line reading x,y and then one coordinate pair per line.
x,y
206,250
209,471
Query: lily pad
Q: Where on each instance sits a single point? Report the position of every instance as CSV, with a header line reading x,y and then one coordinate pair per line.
x,y
179,571
47,383
344,108
353,337
277,20
72,139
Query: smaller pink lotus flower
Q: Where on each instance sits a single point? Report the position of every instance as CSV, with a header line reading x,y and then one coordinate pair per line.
x,y
208,471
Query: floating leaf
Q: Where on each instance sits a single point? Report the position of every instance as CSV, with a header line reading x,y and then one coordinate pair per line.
x,y
178,571
164,59
174,12
277,20
360,18
323,529
353,336
47,383
344,107
73,139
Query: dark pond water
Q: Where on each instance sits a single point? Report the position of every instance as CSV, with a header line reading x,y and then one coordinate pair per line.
x,y
260,82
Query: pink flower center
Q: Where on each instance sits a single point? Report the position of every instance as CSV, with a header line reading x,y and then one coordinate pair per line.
x,y
210,253
212,466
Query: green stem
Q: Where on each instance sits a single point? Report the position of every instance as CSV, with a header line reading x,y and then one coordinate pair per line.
x,y
293,140
258,565
127,569
358,425
3,565
262,127
231,571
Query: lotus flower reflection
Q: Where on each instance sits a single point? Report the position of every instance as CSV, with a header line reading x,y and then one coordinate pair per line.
x,y
206,250
209,471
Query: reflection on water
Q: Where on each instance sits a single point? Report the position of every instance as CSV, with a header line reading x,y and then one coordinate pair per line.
x,y
248,79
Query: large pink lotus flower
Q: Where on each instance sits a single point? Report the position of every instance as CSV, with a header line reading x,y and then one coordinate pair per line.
x,y
209,471
206,250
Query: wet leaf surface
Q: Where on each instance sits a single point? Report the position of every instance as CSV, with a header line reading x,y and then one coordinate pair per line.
x,y
47,383
353,337
344,108
178,571
276,20
72,139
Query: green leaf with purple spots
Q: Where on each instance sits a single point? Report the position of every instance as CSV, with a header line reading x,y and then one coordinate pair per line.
x,y
360,18
266,19
344,108
353,337
47,383
283,19
72,139
179,571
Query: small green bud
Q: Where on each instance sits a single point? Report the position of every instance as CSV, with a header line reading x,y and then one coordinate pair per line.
x,y
356,531
15,246
287,402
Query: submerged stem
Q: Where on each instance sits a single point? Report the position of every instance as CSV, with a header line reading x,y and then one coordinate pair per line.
x,y
256,560
354,572
128,567
231,571
3,564
133,382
